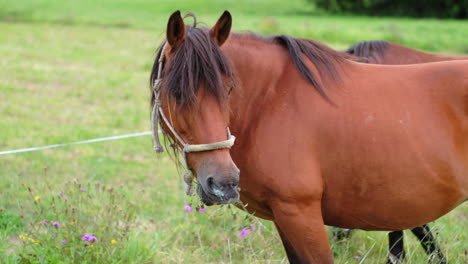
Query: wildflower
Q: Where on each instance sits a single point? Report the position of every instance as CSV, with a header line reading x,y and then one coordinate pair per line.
x,y
60,194
44,222
113,241
357,257
202,210
26,238
188,208
36,198
56,224
88,237
243,233
63,241
253,228
346,229
83,189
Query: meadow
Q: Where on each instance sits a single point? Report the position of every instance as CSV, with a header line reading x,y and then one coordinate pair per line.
x,y
75,70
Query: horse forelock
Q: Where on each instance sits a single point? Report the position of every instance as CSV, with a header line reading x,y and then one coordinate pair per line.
x,y
197,61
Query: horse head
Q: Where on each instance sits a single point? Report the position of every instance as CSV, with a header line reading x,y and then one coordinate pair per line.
x,y
191,93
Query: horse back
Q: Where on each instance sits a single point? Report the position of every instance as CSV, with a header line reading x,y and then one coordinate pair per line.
x,y
395,54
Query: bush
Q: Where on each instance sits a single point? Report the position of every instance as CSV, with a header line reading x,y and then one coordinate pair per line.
x,y
416,8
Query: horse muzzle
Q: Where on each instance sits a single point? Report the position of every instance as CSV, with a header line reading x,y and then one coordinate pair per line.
x,y
219,188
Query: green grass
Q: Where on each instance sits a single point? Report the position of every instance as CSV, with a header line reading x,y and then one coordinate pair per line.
x,y
73,70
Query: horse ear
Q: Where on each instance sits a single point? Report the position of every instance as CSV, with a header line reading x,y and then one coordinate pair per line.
x,y
175,32
220,31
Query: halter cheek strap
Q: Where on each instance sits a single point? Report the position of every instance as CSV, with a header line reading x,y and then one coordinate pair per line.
x,y
187,148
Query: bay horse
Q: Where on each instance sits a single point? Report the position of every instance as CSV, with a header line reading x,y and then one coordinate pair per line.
x,y
384,52
376,133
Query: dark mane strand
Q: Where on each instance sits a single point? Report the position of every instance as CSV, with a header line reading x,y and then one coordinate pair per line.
x,y
369,49
324,59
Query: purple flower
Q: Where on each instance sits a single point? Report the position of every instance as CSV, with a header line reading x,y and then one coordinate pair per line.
x,y
202,210
357,257
61,193
82,189
243,233
56,224
88,237
188,208
44,222
253,228
346,229
63,241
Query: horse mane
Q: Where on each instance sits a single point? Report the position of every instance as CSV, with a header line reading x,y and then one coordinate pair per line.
x,y
369,49
198,60
324,59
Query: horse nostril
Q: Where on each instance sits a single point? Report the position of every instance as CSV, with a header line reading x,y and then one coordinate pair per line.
x,y
210,183
234,184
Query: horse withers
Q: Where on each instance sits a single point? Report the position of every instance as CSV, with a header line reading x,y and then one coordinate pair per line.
x,y
376,132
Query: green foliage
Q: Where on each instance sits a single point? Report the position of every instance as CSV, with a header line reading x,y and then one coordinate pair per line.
x,y
417,8
10,222
79,224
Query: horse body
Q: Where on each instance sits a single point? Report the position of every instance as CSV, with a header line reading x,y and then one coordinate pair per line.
x,y
383,52
386,141
360,161
375,135
359,145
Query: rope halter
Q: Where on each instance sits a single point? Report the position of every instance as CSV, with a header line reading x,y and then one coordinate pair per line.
x,y
157,112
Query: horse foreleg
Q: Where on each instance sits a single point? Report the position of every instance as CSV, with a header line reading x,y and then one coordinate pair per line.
x,y
428,242
303,233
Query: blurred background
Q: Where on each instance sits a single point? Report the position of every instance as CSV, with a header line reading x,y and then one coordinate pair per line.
x,y
72,70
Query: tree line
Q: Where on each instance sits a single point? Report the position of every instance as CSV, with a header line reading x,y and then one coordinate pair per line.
x,y
457,9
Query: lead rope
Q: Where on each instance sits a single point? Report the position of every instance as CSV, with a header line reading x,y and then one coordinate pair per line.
x,y
155,115
157,104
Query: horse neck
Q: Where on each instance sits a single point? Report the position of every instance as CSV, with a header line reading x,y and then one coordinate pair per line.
x,y
259,66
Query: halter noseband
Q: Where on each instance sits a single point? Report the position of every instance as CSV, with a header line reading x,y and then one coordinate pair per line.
x,y
157,111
